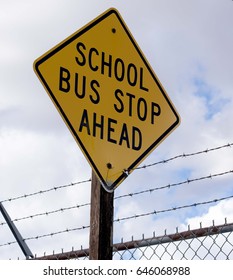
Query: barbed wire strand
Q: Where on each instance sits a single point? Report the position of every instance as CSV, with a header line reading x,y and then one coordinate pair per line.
x,y
136,216
155,212
45,191
47,235
185,156
187,181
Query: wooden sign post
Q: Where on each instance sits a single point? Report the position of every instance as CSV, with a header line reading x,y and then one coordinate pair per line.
x,y
101,222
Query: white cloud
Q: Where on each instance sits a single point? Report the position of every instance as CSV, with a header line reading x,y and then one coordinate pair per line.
x,y
214,215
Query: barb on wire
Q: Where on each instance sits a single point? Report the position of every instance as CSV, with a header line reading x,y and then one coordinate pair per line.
x,y
185,156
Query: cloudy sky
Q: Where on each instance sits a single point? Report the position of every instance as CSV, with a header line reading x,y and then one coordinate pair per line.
x,y
189,45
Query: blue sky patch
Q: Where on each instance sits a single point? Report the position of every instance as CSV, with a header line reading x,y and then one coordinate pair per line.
x,y
212,98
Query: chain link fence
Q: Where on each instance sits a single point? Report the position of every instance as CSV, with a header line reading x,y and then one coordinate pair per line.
x,y
209,243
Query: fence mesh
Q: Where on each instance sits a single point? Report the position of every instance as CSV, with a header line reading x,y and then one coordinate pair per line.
x,y
209,243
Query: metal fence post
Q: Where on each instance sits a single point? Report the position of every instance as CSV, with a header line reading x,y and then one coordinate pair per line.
x,y
27,252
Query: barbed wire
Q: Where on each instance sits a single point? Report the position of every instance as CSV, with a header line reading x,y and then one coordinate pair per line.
x,y
187,181
78,206
136,216
123,196
185,155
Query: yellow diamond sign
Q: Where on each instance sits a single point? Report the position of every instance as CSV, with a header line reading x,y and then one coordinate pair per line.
x,y
108,95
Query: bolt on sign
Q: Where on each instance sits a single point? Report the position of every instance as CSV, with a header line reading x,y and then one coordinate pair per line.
x,y
108,95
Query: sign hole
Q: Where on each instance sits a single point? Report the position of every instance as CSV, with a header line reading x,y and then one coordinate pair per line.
x,y
114,30
109,165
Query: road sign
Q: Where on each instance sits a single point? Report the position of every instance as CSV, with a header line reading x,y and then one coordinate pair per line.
x,y
108,95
